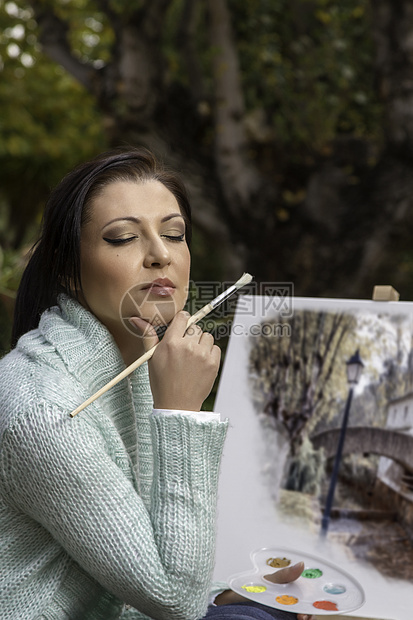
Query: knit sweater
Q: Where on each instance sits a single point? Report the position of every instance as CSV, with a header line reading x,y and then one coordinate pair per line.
x,y
115,506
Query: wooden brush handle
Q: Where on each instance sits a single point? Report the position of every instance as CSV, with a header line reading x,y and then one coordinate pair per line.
x,y
141,360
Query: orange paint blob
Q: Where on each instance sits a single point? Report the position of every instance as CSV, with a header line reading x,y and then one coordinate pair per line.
x,y
327,605
286,600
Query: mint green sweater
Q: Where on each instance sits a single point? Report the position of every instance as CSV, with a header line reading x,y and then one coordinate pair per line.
x,y
115,506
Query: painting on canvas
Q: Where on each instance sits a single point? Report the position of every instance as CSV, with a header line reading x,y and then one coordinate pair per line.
x,y
285,388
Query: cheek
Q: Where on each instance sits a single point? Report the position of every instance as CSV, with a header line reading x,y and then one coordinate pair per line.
x,y
184,273
186,262
100,277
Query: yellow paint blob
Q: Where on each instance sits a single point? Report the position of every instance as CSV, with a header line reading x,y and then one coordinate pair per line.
x,y
255,589
286,600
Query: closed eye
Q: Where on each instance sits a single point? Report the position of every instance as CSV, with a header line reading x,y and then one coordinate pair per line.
x,y
129,239
118,241
175,237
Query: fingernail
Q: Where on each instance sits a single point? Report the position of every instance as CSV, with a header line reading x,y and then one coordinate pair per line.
x,y
139,323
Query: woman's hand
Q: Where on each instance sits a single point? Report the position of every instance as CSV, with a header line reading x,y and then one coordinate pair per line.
x,y
184,366
284,575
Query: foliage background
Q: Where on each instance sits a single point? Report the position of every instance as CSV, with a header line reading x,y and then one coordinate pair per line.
x,y
289,119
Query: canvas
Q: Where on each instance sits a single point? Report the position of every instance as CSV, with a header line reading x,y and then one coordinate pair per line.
x,y
284,389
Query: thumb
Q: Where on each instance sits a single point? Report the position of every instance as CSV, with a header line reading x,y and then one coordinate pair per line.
x,y
146,331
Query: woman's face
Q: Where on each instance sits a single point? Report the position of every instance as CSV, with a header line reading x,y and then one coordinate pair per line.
x,y
134,257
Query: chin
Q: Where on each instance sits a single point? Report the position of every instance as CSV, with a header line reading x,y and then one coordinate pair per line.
x,y
157,314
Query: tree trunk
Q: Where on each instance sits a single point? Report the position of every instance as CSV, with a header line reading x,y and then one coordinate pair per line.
x,y
349,231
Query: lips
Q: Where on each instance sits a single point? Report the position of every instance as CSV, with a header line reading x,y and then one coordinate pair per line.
x,y
162,287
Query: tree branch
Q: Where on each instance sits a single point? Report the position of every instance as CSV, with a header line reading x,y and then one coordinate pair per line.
x,y
53,38
140,61
240,181
154,14
393,34
186,43
104,6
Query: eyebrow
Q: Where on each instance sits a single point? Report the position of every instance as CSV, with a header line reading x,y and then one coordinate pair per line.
x,y
138,221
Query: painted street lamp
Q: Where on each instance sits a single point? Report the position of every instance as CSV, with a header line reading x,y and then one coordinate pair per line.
x,y
354,370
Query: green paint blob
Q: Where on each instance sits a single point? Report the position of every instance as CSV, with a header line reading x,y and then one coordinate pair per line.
x,y
312,573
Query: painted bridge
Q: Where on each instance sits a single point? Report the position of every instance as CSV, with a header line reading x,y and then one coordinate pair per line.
x,y
394,444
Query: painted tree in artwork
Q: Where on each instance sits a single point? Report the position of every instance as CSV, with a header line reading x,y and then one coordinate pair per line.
x,y
296,380
389,341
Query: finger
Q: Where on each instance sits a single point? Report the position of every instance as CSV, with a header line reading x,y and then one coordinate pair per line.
x,y
177,327
285,575
194,330
216,353
304,617
146,331
208,340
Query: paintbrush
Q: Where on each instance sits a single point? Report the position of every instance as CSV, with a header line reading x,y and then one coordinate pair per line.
x,y
243,281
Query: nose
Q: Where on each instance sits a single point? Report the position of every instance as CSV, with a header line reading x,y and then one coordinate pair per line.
x,y
157,253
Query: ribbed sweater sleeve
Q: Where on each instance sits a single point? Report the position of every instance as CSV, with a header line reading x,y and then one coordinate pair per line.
x,y
159,559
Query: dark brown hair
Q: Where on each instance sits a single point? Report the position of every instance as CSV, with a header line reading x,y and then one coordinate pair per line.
x,y
54,265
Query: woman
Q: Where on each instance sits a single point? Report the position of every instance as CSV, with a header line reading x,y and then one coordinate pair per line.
x,y
112,513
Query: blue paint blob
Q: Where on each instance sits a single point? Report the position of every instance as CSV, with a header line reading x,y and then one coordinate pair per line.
x,y
334,588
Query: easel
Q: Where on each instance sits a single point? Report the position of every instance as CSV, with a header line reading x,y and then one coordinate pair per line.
x,y
385,293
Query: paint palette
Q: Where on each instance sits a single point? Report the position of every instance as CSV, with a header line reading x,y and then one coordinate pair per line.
x,y
323,588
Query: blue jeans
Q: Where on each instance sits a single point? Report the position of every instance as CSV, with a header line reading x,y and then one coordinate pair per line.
x,y
247,611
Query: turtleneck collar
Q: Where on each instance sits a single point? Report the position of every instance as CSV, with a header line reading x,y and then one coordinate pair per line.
x,y
80,339
87,348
